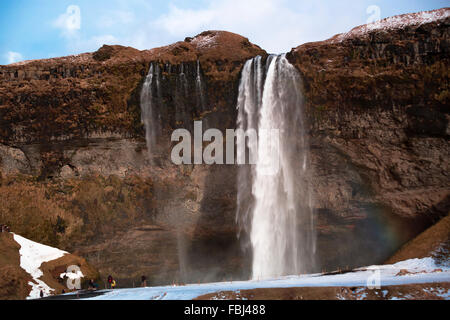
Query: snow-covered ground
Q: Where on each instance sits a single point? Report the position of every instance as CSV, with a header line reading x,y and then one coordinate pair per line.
x,y
420,271
32,255
413,271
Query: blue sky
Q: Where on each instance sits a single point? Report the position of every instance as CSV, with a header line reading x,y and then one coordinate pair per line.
x,y
34,29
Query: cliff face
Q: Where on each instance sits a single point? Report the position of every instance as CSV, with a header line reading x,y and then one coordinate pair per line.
x,y
93,93
72,141
378,101
72,146
96,95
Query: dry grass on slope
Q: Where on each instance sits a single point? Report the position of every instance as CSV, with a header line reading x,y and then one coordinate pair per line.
x,y
64,213
13,279
437,237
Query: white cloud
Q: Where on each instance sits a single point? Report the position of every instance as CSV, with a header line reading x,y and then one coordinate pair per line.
x,y
178,21
70,21
93,43
276,25
70,25
12,57
115,18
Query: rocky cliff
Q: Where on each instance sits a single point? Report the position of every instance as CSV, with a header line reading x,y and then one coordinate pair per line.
x,y
378,100
75,166
74,163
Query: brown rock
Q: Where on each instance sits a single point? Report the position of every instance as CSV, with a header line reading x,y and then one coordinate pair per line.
x,y
403,272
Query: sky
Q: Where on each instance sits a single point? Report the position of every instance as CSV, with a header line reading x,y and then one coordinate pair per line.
x,y
37,29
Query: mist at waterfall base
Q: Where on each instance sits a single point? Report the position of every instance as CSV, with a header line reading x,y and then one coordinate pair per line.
x,y
279,229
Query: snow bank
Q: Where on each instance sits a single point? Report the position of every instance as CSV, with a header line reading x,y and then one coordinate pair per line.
x,y
396,22
419,271
205,41
32,255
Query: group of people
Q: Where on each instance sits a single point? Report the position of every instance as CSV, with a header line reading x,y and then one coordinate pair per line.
x,y
4,228
111,283
92,285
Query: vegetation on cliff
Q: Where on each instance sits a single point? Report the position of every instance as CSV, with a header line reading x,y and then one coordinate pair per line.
x,y
65,213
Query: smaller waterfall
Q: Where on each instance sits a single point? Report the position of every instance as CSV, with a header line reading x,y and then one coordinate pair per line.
x,y
199,88
183,80
147,103
171,95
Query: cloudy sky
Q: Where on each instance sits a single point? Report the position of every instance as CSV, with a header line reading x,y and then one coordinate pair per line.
x,y
34,29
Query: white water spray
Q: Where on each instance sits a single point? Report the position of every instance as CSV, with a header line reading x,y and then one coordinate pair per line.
x,y
277,213
147,103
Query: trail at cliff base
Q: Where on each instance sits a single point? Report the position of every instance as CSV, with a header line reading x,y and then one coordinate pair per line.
x,y
413,271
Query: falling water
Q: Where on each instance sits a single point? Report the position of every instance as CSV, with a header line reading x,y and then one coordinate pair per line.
x,y
275,209
173,95
147,103
199,88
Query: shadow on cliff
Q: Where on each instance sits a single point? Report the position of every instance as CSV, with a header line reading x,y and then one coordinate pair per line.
x,y
365,241
214,252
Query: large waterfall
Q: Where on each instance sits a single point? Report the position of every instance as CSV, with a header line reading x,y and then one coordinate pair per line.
x,y
275,208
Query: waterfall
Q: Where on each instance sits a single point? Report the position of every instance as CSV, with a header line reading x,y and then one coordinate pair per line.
x,y
147,102
173,95
275,209
199,88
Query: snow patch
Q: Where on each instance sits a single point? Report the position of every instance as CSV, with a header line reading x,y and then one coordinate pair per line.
x,y
440,292
205,41
359,278
32,255
396,22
